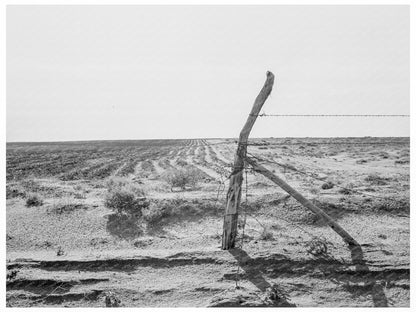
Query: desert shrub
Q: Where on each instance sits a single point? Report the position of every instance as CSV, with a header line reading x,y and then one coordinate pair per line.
x,y
317,247
124,197
33,200
158,212
126,202
182,177
327,185
116,184
266,234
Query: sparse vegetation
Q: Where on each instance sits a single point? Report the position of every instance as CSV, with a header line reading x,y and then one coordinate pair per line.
x,y
182,177
317,247
60,251
66,205
345,191
314,190
402,161
160,211
124,197
33,200
396,205
116,184
11,275
130,224
14,191
375,179
126,202
327,185
266,234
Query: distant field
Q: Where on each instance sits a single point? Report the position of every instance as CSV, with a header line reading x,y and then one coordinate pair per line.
x,y
73,241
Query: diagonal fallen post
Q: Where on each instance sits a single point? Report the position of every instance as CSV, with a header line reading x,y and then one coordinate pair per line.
x,y
305,202
234,191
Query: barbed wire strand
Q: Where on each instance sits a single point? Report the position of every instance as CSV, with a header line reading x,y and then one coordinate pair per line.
x,y
313,176
331,115
237,281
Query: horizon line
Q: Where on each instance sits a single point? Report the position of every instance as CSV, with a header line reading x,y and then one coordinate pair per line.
x,y
206,138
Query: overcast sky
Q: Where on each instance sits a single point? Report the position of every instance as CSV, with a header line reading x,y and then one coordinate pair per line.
x,y
138,72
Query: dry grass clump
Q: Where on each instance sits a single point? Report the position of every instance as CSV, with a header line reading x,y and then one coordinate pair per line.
x,y
182,177
317,247
392,205
115,184
98,241
314,190
384,155
67,207
11,275
123,197
361,161
157,215
327,185
159,212
266,234
345,191
126,202
33,200
376,179
402,161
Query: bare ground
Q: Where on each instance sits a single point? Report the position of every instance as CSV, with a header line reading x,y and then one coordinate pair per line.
x,y
80,256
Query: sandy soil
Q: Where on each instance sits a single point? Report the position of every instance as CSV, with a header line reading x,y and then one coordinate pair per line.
x,y
69,251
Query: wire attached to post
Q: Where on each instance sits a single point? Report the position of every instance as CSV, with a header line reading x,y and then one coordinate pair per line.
x,y
237,280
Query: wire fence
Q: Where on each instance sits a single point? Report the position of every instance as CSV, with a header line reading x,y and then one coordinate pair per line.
x,y
332,115
317,242
292,168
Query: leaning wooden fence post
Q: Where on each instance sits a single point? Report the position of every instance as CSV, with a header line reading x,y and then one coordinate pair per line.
x,y
234,191
305,202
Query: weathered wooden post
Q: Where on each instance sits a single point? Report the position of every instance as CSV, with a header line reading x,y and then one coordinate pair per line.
x,y
234,191
305,202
